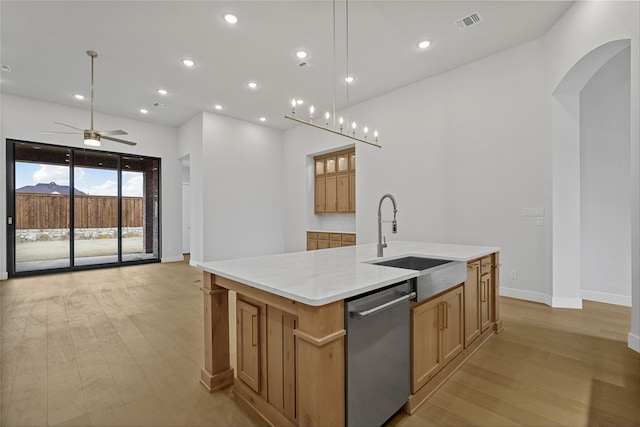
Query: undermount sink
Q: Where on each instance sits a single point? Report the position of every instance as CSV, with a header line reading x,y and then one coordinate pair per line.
x,y
413,263
435,275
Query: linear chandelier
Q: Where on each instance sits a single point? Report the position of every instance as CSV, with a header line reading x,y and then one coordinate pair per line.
x,y
338,128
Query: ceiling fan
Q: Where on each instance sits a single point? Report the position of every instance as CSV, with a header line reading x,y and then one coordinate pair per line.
x,y
92,137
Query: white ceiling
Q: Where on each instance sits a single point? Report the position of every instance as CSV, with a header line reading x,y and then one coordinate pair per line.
x,y
141,43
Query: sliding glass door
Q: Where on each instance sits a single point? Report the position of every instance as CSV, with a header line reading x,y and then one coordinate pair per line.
x,y
73,208
41,199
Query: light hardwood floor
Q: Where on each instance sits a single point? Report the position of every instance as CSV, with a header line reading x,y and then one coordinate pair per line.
x,y
124,347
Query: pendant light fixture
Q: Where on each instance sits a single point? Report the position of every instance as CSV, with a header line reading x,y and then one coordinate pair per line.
x,y
330,124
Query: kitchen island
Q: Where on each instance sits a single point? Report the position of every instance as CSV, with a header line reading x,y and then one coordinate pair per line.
x,y
290,319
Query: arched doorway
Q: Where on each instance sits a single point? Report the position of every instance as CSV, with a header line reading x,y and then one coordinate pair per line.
x,y
591,180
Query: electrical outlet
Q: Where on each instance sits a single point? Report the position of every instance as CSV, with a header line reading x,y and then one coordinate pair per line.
x,y
513,274
539,221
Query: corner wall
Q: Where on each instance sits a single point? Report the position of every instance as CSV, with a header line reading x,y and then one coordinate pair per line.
x,y
237,172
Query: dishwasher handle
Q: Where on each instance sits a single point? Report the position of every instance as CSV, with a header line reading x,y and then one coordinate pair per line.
x,y
374,310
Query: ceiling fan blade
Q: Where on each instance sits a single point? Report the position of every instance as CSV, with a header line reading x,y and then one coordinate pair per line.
x,y
47,132
72,127
111,132
119,140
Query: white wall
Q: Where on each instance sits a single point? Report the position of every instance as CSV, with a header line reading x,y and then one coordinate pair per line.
x,y
585,27
238,165
606,183
24,119
460,156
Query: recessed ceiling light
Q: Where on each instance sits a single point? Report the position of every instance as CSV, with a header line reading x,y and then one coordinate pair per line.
x,y
230,18
78,97
299,101
424,44
252,85
144,110
162,91
301,54
188,62
218,107
349,79
263,119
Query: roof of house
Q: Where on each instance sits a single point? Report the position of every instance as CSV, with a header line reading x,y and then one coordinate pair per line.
x,y
50,188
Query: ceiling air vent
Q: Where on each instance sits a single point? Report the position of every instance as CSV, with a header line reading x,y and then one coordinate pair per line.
x,y
306,65
468,21
6,68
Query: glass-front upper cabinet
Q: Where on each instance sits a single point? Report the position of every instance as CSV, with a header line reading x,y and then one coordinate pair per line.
x,y
352,161
343,162
331,165
319,167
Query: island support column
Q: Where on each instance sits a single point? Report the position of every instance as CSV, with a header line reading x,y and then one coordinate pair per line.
x,y
217,372
321,365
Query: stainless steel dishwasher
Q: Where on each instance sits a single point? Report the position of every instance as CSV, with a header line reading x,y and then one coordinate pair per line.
x,y
378,354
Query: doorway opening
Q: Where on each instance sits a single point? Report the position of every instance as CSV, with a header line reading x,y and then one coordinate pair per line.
x,y
592,180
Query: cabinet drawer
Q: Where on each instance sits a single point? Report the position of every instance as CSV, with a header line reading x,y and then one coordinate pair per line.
x,y
485,265
335,236
349,238
323,236
335,244
323,244
348,243
312,235
312,244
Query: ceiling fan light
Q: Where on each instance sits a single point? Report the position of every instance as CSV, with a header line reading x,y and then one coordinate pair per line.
x,y
92,140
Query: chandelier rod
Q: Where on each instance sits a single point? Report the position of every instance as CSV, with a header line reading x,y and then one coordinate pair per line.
x,y
287,116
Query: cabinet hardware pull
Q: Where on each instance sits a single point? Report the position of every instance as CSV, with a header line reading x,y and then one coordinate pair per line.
x,y
441,315
254,338
374,310
446,315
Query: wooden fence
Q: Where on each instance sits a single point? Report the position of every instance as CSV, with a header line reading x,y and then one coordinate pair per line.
x,y
46,211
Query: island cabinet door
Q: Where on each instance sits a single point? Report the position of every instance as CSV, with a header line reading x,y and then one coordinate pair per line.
x,y
281,362
247,316
426,322
472,303
452,331
486,295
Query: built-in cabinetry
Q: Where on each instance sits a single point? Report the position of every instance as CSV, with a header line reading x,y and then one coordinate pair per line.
x,y
450,327
335,182
324,240
266,353
478,293
438,335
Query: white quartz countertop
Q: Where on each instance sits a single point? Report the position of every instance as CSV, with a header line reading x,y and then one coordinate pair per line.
x,y
328,275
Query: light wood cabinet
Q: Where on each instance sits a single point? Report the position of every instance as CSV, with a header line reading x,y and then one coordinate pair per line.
x,y
472,303
478,294
266,349
247,316
281,361
437,335
334,190
321,240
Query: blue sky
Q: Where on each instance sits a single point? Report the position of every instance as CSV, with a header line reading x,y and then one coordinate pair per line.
x,y
96,182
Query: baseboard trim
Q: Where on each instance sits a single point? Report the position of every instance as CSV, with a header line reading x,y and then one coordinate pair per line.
x,y
606,298
560,302
173,259
4,275
633,341
525,295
